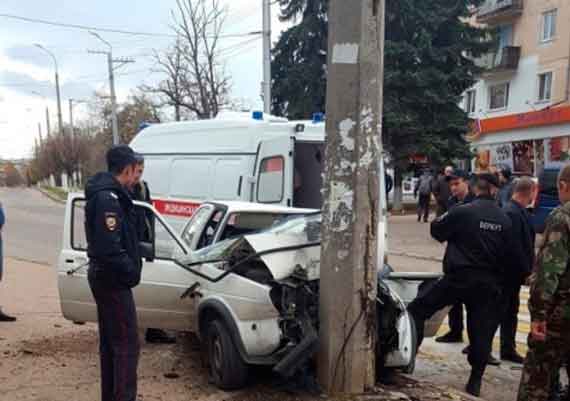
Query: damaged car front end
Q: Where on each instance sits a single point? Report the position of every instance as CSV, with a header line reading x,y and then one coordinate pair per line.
x,y
284,261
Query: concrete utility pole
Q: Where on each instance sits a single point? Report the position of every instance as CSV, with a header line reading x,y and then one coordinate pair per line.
x,y
59,115
267,56
351,196
111,66
71,116
48,128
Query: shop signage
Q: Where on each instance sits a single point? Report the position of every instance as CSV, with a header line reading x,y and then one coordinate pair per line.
x,y
558,115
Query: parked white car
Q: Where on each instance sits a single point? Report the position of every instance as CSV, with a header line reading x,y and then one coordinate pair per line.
x,y
245,278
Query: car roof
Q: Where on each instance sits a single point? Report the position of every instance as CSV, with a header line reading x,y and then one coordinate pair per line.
x,y
237,206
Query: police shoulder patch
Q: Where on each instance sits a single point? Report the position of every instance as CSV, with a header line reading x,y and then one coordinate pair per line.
x,y
111,221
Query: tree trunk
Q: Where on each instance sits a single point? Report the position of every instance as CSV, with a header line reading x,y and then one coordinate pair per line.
x,y
177,112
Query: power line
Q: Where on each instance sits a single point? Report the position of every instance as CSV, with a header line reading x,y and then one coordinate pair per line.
x,y
111,30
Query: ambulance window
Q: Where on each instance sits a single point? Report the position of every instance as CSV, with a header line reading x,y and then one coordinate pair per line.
x,y
271,181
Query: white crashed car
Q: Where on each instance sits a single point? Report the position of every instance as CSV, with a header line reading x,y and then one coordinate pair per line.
x,y
245,278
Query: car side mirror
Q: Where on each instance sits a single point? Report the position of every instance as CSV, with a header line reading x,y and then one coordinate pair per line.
x,y
147,250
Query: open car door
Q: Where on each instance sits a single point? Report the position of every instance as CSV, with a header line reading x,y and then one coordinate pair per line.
x,y
275,171
157,297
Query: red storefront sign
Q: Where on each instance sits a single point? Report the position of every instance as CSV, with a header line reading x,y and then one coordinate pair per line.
x,y
558,115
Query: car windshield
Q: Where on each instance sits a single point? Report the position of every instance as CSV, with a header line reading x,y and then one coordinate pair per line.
x,y
309,224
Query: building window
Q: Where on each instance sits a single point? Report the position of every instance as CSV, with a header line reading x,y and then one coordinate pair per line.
x,y
544,86
548,29
499,96
470,98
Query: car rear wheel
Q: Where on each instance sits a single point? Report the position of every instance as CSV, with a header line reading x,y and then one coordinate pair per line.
x,y
227,369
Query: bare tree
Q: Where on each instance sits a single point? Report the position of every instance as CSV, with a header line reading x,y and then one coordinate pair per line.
x,y
172,89
203,83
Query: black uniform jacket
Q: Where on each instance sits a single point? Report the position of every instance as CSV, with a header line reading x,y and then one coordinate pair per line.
x,y
110,225
477,236
523,239
454,201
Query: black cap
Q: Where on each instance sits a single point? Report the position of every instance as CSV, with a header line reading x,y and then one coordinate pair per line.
x,y
490,178
139,157
457,173
119,157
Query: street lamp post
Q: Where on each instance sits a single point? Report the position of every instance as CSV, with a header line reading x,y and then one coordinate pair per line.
x,y
59,116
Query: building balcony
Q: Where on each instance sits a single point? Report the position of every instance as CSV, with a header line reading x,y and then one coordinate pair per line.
x,y
503,60
494,12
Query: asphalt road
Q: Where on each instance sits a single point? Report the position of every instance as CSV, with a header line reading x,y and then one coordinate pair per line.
x,y
34,225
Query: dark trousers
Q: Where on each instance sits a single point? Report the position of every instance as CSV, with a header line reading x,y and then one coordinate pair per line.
x,y
480,299
118,341
423,206
509,321
441,208
455,318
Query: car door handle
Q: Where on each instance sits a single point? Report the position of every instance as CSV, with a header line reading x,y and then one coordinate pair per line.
x,y
82,263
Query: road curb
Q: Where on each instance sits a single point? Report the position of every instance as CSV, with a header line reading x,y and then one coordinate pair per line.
x,y
416,256
51,196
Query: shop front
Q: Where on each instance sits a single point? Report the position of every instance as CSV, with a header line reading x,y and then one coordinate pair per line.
x,y
527,142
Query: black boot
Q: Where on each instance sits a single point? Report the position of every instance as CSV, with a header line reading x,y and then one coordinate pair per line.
x,y
6,318
157,336
512,356
450,338
473,386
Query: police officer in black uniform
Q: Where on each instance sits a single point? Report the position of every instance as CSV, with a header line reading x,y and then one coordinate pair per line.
x,y
458,181
114,269
478,237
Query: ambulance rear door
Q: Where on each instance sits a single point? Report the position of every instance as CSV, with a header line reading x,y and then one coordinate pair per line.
x,y
275,171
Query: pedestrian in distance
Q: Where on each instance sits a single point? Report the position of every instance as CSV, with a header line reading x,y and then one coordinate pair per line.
x,y
505,176
114,269
461,194
145,229
477,236
441,190
3,316
423,190
549,303
521,263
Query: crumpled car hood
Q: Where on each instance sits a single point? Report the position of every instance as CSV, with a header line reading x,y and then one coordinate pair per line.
x,y
280,263
283,264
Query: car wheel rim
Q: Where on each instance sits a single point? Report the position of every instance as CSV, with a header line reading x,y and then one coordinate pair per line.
x,y
216,353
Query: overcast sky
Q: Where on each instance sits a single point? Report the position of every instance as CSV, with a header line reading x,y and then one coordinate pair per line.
x,y
25,69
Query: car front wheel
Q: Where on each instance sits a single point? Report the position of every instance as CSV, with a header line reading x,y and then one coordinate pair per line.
x,y
227,369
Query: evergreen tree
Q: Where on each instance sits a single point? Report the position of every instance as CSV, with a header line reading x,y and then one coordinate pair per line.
x,y
426,72
299,60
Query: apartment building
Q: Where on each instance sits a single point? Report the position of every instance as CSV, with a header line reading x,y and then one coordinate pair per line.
x,y
520,104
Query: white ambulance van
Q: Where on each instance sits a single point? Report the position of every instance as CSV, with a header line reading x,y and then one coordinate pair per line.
x,y
248,157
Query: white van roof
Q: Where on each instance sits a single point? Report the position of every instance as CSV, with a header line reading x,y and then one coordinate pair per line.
x,y
231,132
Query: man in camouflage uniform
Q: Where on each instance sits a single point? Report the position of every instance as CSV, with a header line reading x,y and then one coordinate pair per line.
x,y
549,304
